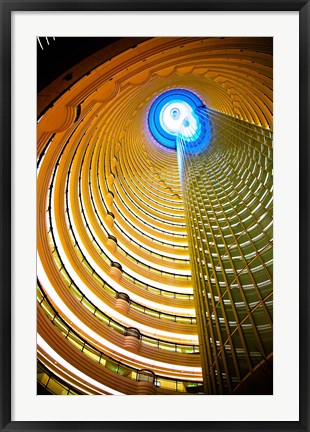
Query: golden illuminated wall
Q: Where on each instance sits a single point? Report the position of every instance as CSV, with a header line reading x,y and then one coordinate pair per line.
x,y
116,311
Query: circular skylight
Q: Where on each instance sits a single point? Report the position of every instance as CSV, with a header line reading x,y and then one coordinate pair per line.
x,y
175,114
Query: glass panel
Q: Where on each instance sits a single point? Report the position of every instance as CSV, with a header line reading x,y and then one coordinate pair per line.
x,y
48,309
43,378
39,295
92,353
57,388
88,305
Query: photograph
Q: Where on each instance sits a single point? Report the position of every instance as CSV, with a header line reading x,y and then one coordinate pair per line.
x,y
154,217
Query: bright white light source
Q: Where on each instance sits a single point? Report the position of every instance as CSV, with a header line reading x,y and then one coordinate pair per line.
x,y
177,118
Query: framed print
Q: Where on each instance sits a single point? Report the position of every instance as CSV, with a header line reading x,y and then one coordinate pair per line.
x,y
154,202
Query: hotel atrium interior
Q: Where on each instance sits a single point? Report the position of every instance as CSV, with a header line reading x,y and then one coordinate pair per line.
x,y
154,216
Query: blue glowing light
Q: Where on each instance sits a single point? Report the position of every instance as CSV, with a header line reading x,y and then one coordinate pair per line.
x,y
174,115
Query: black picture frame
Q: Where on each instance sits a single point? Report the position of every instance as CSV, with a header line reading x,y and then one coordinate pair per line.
x,y
7,7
